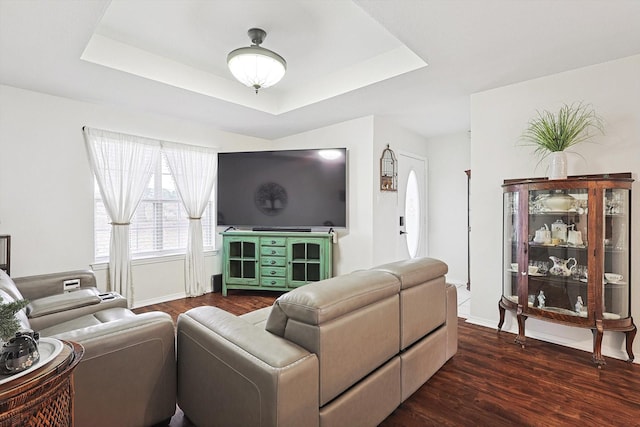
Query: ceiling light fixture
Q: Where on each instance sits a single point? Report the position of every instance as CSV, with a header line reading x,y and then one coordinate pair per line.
x,y
255,66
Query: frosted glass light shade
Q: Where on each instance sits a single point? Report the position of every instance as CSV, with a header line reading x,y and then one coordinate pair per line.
x,y
256,67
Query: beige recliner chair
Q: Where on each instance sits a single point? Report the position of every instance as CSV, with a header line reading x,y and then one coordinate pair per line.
x,y
127,376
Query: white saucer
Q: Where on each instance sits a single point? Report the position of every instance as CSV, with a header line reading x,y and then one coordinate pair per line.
x,y
48,348
611,316
537,274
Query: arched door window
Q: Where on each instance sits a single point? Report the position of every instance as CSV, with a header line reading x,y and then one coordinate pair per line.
x,y
412,214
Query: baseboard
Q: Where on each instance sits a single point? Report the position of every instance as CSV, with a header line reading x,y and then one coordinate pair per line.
x,y
607,351
159,300
456,283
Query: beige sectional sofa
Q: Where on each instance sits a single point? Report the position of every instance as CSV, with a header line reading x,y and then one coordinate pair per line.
x,y
127,376
341,352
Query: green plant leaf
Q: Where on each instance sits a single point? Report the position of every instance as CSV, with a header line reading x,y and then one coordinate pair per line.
x,y
9,324
571,125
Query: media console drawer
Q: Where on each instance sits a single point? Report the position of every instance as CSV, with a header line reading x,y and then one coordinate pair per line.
x,y
273,261
273,281
273,250
273,241
273,271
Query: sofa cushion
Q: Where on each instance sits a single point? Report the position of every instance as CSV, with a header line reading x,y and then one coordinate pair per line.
x,y
257,317
412,272
320,302
350,322
63,302
88,320
44,285
423,283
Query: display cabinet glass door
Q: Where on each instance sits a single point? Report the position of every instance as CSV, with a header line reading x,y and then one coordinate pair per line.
x,y
558,260
306,259
616,295
511,269
243,260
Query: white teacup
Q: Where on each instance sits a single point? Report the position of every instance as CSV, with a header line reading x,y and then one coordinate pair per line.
x,y
533,269
514,266
613,277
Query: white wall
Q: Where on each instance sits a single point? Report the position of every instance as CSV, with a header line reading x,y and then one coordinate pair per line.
x,y
498,118
372,214
449,158
385,203
46,186
354,248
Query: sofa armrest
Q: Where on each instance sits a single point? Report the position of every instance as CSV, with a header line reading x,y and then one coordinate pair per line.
x,y
127,375
46,312
116,334
233,373
44,285
452,320
63,302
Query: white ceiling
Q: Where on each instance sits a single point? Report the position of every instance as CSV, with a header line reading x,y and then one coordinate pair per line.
x,y
346,59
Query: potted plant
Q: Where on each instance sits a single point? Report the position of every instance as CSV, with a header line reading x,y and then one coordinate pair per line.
x,y
552,134
9,324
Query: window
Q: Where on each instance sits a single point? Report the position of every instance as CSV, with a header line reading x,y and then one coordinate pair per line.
x,y
160,224
412,213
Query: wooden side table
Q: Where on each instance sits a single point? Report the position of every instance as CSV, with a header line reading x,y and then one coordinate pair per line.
x,y
43,397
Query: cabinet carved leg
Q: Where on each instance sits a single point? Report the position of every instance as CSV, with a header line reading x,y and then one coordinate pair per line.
x,y
521,338
501,309
598,332
630,336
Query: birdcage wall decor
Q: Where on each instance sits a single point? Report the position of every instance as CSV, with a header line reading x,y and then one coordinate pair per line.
x,y
388,170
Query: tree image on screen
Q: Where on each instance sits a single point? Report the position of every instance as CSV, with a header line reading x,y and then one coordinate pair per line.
x,y
271,198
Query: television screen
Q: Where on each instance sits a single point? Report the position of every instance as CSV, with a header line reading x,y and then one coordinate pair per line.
x,y
283,189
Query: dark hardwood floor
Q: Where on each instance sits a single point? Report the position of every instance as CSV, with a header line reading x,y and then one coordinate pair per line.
x,y
491,381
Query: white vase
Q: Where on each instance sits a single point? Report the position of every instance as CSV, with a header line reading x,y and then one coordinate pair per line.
x,y
558,165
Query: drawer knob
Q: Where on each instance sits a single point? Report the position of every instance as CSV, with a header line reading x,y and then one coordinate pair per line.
x,y
272,262
273,272
273,282
273,242
273,252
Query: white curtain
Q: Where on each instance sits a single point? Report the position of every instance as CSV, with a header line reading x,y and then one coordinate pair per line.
x,y
122,165
194,171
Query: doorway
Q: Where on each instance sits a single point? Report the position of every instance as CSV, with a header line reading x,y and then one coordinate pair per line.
x,y
412,207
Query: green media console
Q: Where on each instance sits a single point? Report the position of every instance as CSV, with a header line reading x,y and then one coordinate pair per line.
x,y
277,261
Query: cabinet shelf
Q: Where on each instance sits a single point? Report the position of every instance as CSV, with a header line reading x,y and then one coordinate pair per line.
x,y
571,288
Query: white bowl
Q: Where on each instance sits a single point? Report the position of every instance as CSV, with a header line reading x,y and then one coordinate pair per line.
x,y
613,277
533,269
559,202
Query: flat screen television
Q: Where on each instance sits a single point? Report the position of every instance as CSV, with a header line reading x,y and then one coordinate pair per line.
x,y
284,189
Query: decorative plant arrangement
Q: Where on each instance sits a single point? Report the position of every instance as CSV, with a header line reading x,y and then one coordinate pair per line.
x,y
9,324
552,134
20,348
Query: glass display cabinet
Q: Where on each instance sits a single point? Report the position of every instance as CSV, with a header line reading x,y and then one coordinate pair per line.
x,y
566,254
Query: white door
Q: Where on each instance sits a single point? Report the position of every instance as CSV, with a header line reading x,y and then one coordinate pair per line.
x,y
412,207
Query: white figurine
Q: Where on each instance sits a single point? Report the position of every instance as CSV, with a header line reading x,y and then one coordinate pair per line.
x,y
541,299
579,304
